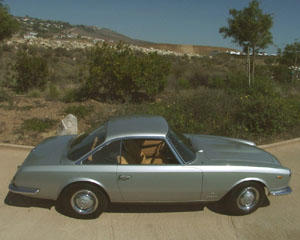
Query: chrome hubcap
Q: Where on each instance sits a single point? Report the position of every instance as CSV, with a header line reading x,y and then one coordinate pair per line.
x,y
84,202
248,198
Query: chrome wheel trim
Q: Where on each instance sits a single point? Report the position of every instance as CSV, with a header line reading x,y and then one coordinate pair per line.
x,y
84,202
248,198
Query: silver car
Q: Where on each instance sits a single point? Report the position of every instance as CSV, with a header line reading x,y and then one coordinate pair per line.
x,y
139,159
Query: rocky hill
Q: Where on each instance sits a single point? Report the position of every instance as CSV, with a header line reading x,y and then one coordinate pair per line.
x,y
63,30
55,34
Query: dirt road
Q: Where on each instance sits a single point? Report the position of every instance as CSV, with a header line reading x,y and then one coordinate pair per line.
x,y
24,218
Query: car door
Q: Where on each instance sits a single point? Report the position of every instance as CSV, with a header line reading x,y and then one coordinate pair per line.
x,y
161,179
101,167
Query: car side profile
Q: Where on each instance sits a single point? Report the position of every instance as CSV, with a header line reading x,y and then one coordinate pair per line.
x,y
139,159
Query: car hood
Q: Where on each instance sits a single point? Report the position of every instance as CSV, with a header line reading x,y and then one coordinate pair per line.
x,y
48,152
230,150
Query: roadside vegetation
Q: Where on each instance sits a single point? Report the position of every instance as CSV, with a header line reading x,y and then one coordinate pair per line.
x,y
207,95
80,111
201,95
38,124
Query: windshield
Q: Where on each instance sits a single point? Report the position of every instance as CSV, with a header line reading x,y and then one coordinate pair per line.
x,y
86,142
182,145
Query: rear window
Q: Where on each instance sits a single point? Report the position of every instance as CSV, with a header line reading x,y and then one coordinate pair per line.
x,y
86,142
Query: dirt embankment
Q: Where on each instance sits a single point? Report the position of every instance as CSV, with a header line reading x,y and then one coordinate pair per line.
x,y
14,114
193,49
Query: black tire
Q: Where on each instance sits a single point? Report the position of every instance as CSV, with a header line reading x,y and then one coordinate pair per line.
x,y
84,201
245,198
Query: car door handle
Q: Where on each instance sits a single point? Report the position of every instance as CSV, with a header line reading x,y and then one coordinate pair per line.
x,y
124,177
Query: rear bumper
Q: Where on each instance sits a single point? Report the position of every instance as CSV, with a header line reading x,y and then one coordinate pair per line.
x,y
23,190
283,191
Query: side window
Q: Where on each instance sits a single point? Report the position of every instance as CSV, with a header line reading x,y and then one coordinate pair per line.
x,y
108,155
146,152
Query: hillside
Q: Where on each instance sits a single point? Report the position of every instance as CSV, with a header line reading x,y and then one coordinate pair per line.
x,y
192,49
207,95
58,29
32,28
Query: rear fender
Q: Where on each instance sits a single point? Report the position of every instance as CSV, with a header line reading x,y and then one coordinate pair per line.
x,y
80,180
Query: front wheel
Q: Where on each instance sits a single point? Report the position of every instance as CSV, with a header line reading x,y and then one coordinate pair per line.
x,y
84,201
245,198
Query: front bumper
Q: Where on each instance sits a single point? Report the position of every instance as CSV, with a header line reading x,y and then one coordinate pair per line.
x,y
23,190
283,191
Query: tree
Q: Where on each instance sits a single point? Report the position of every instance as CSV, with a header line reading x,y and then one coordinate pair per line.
x,y
249,28
291,57
32,72
8,24
119,72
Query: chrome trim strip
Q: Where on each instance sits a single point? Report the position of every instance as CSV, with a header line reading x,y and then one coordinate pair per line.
x,y
23,190
283,191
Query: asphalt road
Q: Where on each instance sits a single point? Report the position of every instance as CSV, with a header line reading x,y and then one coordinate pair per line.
x,y
26,218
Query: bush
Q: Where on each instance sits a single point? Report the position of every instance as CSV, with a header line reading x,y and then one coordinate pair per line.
x,y
266,115
34,93
182,83
5,96
7,48
73,95
38,124
62,52
32,72
53,93
263,71
80,111
195,111
262,85
282,73
119,72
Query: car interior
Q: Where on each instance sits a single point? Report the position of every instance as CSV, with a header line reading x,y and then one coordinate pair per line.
x,y
146,151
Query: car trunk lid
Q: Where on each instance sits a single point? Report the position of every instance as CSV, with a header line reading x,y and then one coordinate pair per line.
x,y
48,152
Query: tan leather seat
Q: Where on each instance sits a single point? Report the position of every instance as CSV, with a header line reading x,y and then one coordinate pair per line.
x,y
157,161
152,161
133,153
122,160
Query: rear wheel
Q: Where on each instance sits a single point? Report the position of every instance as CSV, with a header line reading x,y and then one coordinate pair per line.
x,y
84,200
245,198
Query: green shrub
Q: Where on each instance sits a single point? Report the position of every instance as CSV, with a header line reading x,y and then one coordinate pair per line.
x,y
282,73
53,93
182,83
7,48
202,110
262,85
34,93
38,124
80,111
216,112
264,71
5,96
266,115
119,72
32,72
62,52
73,95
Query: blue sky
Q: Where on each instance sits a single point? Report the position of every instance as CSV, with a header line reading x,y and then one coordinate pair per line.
x,y
169,21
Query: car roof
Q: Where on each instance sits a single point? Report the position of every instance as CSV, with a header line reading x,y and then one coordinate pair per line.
x,y
136,126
